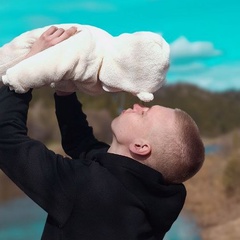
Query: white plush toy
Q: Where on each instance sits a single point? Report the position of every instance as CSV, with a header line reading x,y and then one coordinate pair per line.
x,y
91,61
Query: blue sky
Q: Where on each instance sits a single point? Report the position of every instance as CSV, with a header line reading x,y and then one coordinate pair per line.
x,y
204,35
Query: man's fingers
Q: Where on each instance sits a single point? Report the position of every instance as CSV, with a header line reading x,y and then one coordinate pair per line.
x,y
51,37
60,34
71,31
50,31
68,33
57,33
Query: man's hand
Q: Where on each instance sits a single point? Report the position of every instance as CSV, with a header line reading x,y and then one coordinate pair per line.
x,y
49,38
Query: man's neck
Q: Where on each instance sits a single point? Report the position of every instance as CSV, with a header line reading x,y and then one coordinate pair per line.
x,y
119,149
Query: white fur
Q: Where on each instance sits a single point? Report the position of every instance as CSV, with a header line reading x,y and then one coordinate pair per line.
x,y
91,61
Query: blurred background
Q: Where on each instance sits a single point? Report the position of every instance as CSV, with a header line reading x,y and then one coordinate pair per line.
x,y
203,80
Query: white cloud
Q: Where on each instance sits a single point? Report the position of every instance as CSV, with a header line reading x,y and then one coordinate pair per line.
x,y
182,48
183,68
216,78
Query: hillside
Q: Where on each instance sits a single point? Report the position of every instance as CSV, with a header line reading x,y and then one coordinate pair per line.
x,y
215,113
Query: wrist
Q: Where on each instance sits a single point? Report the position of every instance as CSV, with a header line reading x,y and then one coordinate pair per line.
x,y
60,93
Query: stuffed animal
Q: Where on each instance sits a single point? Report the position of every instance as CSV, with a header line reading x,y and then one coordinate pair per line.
x,y
91,61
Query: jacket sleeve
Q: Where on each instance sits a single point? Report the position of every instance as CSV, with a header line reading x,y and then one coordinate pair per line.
x,y
77,135
47,178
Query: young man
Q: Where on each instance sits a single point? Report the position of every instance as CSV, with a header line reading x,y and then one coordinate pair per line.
x,y
131,190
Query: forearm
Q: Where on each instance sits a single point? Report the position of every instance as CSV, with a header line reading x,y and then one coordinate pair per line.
x,y
77,135
27,162
19,155
16,153
13,114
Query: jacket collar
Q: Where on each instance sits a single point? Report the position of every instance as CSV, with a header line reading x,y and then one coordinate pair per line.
x,y
109,160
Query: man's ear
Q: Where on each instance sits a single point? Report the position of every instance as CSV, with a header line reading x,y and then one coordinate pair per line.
x,y
140,148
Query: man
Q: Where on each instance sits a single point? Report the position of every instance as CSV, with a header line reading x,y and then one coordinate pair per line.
x,y
131,190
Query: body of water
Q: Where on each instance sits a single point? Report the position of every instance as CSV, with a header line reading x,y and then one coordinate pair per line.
x,y
213,148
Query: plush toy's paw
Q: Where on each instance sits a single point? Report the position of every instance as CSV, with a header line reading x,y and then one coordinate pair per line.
x,y
5,81
145,96
13,86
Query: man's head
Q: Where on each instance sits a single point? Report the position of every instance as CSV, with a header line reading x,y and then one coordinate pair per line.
x,y
164,139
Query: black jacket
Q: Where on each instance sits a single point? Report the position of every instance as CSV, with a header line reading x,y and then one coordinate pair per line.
x,y
93,196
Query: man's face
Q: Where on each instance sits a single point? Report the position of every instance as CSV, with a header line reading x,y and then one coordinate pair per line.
x,y
138,122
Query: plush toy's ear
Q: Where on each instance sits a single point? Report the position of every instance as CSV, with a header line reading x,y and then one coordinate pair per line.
x,y
145,96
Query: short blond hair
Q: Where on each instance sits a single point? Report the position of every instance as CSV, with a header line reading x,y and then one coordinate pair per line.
x,y
181,153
